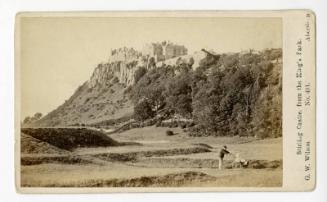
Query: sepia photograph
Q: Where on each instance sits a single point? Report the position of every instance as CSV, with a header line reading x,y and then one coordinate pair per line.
x,y
145,101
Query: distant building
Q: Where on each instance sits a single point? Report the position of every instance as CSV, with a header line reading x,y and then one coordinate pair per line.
x,y
163,51
153,50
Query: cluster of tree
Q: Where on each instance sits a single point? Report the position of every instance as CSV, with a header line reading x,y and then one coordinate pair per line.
x,y
31,119
235,94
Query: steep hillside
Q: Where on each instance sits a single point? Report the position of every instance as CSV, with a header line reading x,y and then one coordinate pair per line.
x,y
102,97
237,86
90,105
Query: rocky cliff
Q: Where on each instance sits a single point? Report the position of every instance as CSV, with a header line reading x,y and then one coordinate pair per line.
x,y
122,71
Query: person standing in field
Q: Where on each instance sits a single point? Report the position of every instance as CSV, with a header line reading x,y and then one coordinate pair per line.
x,y
222,153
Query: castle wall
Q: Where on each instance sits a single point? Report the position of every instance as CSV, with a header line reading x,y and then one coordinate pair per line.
x,y
162,51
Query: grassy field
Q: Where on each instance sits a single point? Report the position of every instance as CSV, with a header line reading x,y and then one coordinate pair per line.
x,y
157,160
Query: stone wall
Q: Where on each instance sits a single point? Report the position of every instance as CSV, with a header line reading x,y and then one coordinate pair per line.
x,y
173,50
164,50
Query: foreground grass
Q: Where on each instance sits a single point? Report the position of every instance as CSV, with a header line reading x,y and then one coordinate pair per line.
x,y
160,178
159,161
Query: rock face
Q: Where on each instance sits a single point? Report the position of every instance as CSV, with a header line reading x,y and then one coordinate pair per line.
x,y
117,71
122,64
106,73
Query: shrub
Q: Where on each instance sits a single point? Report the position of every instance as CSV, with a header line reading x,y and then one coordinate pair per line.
x,y
139,73
169,133
149,122
158,124
189,124
87,100
182,125
143,111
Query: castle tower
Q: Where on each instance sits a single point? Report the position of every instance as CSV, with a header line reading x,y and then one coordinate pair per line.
x,y
164,46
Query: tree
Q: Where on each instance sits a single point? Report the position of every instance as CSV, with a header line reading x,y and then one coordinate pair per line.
x,y
37,116
139,73
155,97
191,62
179,94
231,94
150,87
267,120
32,119
143,111
151,63
27,120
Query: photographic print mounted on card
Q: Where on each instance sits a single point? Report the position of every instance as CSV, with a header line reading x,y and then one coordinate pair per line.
x,y
165,101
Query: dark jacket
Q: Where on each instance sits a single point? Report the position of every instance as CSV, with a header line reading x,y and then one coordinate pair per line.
x,y
223,152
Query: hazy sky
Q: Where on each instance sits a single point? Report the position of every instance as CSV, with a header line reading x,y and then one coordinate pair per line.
x,y
59,54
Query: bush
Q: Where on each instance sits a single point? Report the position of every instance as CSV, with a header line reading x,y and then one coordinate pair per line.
x,y
150,122
196,131
182,125
169,133
87,100
158,124
139,73
171,124
189,124
143,111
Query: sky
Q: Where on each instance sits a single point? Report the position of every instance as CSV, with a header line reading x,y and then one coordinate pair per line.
x,y
57,54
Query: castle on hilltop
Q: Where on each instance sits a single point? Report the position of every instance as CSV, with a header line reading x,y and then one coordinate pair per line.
x,y
164,50
123,62
159,51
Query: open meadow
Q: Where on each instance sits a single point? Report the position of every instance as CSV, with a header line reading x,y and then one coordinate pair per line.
x,y
145,157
